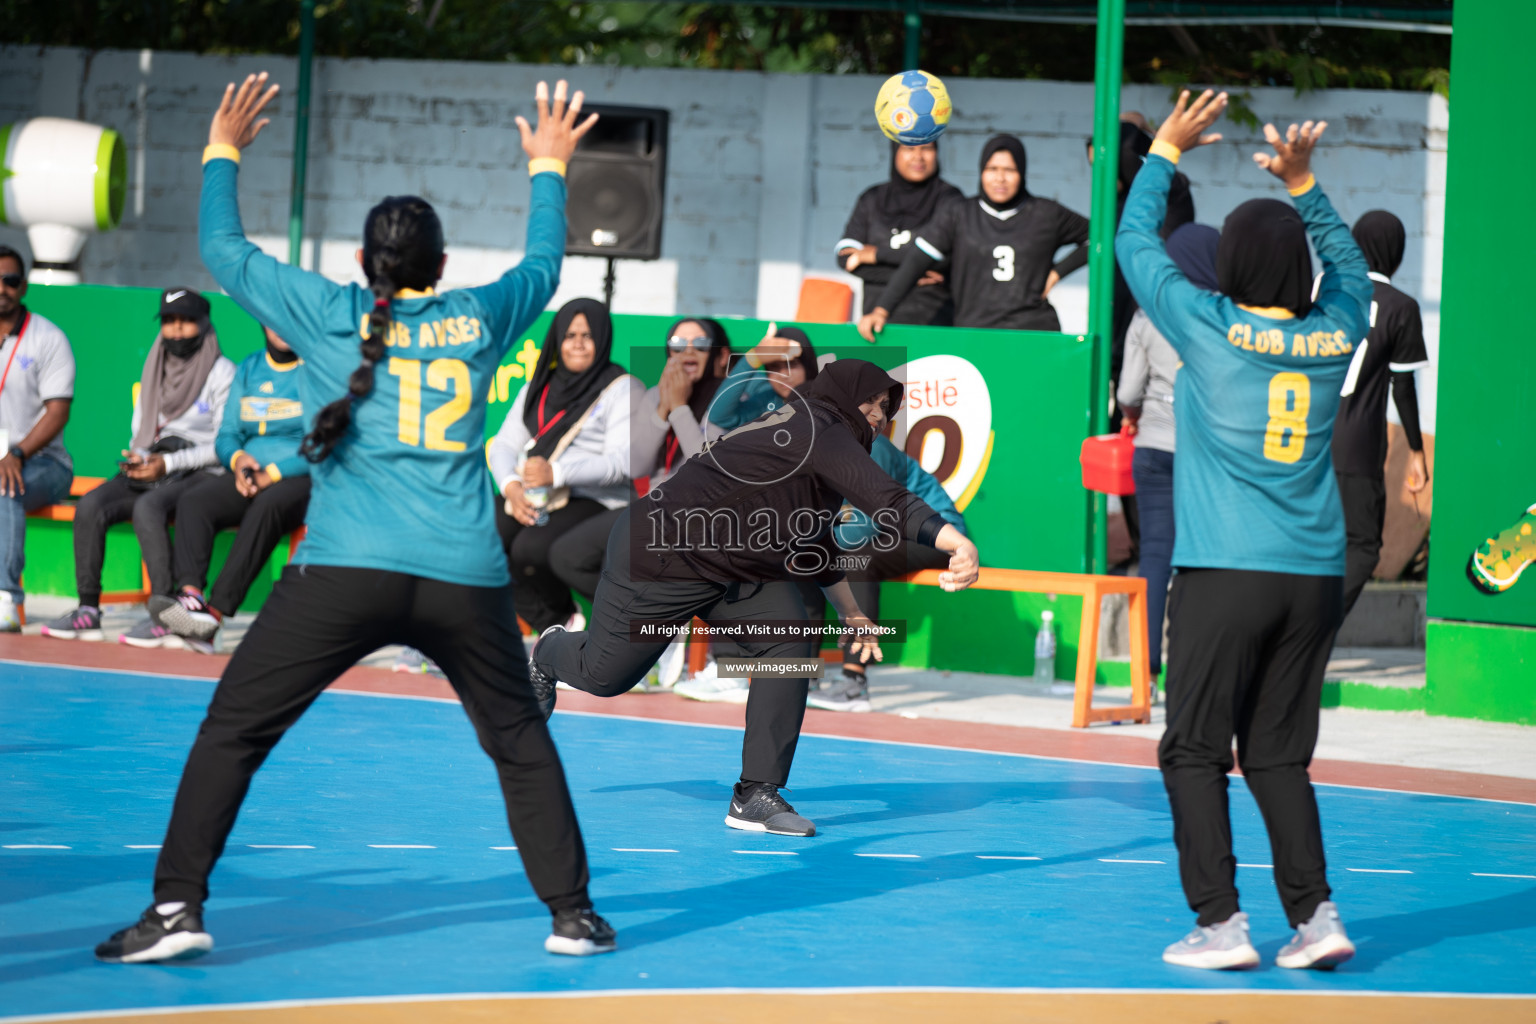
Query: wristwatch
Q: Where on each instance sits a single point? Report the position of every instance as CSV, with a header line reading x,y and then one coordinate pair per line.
x,y
16,450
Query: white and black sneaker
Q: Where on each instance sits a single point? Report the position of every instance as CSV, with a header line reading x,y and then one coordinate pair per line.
x,y
850,692
186,615
543,685
758,807
174,936
580,933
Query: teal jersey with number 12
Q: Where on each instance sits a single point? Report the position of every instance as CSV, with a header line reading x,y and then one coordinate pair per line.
x,y
1256,395
405,489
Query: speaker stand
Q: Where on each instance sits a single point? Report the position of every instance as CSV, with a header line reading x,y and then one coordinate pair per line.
x,y
608,279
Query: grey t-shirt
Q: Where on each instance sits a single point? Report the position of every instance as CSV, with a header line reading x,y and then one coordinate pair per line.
x,y
43,368
1146,379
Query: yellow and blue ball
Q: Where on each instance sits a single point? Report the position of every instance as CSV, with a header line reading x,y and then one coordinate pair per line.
x,y
913,108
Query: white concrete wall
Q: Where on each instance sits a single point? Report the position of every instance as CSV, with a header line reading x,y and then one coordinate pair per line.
x,y
762,169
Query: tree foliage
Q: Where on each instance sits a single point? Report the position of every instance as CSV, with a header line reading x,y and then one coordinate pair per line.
x,y
739,36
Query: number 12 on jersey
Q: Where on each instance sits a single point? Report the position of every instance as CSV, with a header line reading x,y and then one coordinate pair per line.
x,y
442,374
1290,399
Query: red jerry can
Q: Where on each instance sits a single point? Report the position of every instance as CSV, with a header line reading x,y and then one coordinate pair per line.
x,y
1106,463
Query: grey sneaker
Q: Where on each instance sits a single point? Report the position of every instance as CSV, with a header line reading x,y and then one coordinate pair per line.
x,y
543,685
1217,947
186,615
80,624
758,807
1319,943
413,661
848,692
150,633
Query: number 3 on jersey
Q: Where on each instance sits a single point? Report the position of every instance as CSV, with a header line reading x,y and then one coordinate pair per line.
x,y
1004,269
1290,399
442,374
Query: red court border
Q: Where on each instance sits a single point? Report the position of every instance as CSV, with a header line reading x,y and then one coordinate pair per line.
x,y
1098,744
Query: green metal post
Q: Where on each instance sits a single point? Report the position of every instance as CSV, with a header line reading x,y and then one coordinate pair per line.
x,y
1109,56
913,21
301,131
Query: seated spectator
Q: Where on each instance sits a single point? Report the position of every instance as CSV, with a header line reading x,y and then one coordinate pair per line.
x,y
37,384
883,224
764,377
562,456
671,424
265,495
1001,246
177,415
855,533
1145,397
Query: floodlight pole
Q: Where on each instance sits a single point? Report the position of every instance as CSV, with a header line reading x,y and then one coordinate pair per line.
x,y
1109,56
301,131
912,19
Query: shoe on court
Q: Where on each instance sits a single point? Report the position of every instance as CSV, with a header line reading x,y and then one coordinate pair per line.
x,y
80,624
1319,943
543,685
186,615
10,615
580,933
1497,563
850,692
1217,947
758,807
673,662
413,661
150,633
157,937
708,686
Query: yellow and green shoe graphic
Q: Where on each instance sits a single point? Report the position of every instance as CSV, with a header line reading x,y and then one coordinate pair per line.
x,y
1498,562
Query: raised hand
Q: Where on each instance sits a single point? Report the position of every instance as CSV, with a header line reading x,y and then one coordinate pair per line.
x,y
558,132
1292,162
1185,128
235,122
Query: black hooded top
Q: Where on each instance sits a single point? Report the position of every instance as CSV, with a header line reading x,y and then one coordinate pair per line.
x,y
557,398
1263,260
1000,254
758,504
1392,351
888,217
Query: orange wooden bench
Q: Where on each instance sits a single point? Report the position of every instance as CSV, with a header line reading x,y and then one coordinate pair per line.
x,y
1091,589
65,513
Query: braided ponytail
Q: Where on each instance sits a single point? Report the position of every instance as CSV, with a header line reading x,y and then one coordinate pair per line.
x,y
402,248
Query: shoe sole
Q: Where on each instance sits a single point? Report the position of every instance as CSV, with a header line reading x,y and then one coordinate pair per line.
x,y
74,634
161,641
1240,959
747,825
563,946
1325,954
176,946
180,621
855,706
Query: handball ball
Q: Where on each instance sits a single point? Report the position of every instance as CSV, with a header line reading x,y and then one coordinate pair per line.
x,y
913,108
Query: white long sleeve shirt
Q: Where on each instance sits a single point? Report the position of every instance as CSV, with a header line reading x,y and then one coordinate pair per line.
x,y
199,424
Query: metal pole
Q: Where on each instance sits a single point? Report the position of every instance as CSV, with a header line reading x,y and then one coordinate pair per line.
x,y
913,20
301,131
1109,57
608,282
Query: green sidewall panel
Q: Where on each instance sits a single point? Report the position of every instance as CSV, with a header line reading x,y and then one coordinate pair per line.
x,y
1481,671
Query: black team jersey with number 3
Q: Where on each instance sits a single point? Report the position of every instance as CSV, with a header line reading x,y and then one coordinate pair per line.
x,y
999,259
1395,345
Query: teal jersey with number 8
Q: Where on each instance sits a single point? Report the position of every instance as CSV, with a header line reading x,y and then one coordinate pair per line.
x,y
1256,395
405,489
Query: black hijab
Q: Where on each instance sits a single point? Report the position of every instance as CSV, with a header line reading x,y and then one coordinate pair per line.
x,y
560,395
1263,259
1135,144
847,384
1193,247
1015,148
1382,238
910,204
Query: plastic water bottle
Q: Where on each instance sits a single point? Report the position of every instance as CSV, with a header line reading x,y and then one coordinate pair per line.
x,y
538,497
1045,650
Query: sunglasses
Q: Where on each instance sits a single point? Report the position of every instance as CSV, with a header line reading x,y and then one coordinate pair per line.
x,y
11,280
678,343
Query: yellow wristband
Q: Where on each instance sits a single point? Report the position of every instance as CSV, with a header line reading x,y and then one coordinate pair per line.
x,y
273,473
221,151
538,165
234,459
1304,187
1167,150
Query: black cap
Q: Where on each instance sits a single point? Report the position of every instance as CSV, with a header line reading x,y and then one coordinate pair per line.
x,y
185,302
